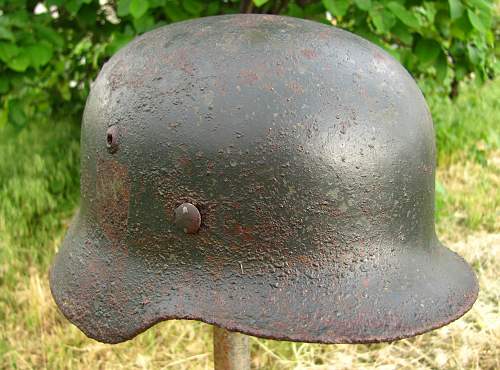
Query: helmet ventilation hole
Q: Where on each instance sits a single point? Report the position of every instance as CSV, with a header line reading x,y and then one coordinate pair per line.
x,y
112,139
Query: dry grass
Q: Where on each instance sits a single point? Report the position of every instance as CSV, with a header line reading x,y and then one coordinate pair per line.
x,y
469,197
36,336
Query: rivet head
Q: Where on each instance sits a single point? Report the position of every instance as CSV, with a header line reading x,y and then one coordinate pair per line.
x,y
112,139
187,218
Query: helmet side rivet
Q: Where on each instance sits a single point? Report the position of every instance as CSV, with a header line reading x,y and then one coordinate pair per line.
x,y
112,139
187,218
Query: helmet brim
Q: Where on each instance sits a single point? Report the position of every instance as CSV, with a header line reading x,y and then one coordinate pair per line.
x,y
112,295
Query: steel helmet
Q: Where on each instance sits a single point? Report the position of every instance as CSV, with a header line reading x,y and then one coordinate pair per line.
x,y
269,175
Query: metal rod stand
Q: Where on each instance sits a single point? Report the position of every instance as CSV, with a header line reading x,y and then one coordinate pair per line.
x,y
231,350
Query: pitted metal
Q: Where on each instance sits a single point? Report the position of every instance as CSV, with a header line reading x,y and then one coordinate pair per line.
x,y
308,153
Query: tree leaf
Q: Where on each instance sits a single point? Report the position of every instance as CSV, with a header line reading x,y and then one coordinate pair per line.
x,y
378,20
55,2
402,33
64,91
456,9
481,5
476,56
213,8
46,33
461,28
429,11
477,21
337,7
6,34
40,54
144,24
193,7
157,3
17,116
118,40
295,11
73,6
4,84
122,8
87,16
175,12
363,4
427,51
84,45
8,51
19,19
20,62
4,117
259,3
404,15
138,8
382,19
441,67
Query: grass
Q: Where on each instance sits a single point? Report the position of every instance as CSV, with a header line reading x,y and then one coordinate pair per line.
x,y
467,128
39,192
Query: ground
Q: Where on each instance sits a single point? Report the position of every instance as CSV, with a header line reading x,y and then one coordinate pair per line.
x,y
39,193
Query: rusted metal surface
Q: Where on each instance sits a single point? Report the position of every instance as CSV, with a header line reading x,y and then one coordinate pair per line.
x,y
309,154
231,350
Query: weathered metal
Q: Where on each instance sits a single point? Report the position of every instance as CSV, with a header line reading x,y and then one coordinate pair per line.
x,y
187,218
309,153
231,350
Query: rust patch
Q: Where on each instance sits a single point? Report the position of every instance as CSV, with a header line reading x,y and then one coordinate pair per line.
x,y
113,197
309,53
379,56
248,76
366,282
116,70
138,77
180,59
325,35
296,87
184,161
244,232
425,168
268,86
220,86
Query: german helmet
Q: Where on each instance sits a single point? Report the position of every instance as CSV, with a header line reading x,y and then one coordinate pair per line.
x,y
269,175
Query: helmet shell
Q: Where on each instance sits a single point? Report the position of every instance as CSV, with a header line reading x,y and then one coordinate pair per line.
x,y
308,152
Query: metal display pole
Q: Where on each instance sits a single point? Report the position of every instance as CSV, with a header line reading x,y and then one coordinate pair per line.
x,y
231,350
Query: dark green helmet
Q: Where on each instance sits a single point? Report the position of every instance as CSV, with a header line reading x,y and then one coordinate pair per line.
x,y
269,175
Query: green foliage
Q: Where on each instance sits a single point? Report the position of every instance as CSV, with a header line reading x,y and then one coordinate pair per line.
x,y
468,125
39,183
51,50
467,131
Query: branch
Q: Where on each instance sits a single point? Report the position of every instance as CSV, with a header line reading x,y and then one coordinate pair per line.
x,y
246,6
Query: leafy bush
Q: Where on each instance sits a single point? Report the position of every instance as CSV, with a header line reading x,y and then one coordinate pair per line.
x,y
51,50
